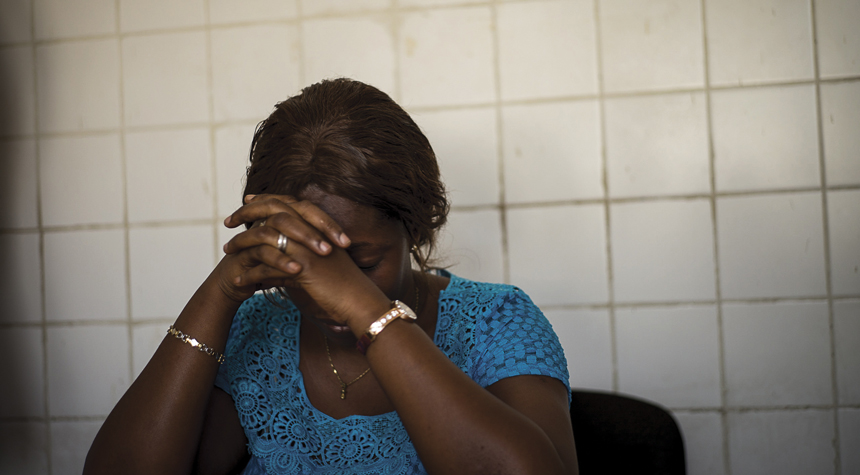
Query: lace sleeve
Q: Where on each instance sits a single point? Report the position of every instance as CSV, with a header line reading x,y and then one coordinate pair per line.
x,y
517,339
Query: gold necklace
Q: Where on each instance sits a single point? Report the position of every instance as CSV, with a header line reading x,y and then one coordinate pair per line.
x,y
343,385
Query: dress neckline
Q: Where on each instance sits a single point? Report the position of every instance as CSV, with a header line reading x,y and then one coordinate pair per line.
x,y
453,283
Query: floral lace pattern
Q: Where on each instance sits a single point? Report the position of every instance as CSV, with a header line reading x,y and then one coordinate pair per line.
x,y
490,331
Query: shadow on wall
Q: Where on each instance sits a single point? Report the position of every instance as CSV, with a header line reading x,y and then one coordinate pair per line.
x,y
20,283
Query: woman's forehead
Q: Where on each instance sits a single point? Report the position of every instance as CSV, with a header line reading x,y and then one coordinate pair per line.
x,y
361,223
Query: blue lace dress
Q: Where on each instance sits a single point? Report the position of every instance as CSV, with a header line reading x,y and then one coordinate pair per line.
x,y
490,331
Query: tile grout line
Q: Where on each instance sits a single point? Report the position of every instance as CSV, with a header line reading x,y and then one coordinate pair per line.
x,y
441,108
394,25
43,319
825,222
500,150
605,201
718,294
213,160
300,30
129,318
712,199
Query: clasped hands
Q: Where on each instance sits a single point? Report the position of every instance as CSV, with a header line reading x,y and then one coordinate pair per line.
x,y
314,260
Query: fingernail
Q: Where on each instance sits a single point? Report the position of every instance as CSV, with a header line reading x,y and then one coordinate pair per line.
x,y
343,239
249,197
227,221
224,248
293,267
324,246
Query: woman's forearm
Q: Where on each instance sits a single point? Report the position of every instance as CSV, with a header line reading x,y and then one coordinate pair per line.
x,y
155,427
456,425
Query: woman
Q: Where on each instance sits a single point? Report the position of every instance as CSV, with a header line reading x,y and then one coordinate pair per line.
x,y
353,362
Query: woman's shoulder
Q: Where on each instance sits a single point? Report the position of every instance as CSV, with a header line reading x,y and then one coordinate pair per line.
x,y
463,287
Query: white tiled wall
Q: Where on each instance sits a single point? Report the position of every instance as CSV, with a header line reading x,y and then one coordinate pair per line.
x,y
676,183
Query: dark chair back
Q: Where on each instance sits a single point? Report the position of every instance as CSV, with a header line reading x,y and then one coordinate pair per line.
x,y
618,434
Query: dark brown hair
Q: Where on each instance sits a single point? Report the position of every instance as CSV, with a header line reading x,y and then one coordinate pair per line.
x,y
352,140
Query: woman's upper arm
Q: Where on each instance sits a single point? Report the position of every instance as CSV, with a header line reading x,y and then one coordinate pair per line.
x,y
543,400
223,445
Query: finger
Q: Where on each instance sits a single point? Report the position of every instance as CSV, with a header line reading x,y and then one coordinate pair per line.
x,y
268,266
241,215
320,220
264,277
292,226
317,218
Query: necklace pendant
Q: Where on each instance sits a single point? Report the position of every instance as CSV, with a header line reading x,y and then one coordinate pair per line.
x,y
342,391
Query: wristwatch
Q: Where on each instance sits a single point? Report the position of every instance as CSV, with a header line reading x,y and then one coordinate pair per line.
x,y
398,310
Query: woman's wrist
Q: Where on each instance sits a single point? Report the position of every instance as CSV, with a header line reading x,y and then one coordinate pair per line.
x,y
370,312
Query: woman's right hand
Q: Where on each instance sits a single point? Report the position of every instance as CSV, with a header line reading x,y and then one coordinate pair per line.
x,y
309,226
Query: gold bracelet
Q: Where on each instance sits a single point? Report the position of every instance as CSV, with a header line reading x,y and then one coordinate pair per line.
x,y
219,357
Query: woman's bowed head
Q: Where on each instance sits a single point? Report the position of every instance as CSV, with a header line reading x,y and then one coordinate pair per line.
x,y
358,357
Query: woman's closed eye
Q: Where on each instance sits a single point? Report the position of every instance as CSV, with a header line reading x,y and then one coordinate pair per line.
x,y
368,266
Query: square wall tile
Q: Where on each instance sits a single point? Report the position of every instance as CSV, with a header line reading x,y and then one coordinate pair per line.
x,y
844,224
85,275
23,391
16,19
232,150
765,138
754,41
471,243
234,11
19,108
70,442
168,264
669,354
21,281
846,329
18,184
657,145
244,86
78,85
24,447
703,442
360,48
466,146
552,151
165,79
849,440
87,369
169,175
81,180
336,7
838,39
771,246
446,57
649,45
662,251
555,38
587,341
56,19
145,340
840,110
777,354
140,15
784,442
558,254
